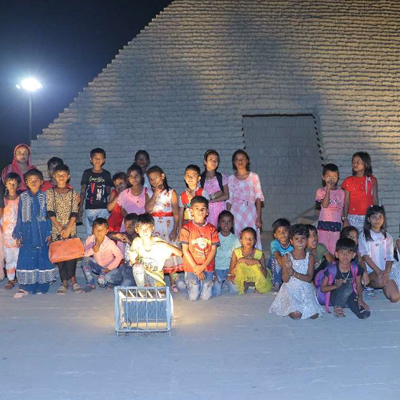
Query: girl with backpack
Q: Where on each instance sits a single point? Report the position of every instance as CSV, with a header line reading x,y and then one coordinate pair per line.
x,y
341,282
216,185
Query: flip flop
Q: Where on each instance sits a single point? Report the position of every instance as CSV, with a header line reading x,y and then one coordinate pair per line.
x,y
62,290
76,287
21,293
9,285
338,312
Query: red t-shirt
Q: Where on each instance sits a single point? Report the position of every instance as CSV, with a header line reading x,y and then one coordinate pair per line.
x,y
200,239
361,189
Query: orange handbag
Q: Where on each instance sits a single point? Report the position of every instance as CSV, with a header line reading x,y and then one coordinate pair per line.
x,y
65,250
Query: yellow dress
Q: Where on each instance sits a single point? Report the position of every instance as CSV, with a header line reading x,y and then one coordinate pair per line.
x,y
251,273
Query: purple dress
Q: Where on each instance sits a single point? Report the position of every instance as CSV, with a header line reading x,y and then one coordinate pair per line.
x,y
214,209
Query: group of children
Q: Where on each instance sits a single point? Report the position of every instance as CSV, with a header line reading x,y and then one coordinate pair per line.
x,y
205,238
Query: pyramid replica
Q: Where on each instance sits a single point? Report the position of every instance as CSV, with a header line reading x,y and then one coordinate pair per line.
x,y
190,79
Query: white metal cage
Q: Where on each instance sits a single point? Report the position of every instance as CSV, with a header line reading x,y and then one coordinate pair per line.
x,y
143,309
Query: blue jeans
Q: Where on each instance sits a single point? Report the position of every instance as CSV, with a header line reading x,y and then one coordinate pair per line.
x,y
91,215
127,275
197,287
90,267
222,277
276,270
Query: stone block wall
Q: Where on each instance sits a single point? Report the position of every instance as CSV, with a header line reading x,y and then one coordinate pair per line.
x,y
183,85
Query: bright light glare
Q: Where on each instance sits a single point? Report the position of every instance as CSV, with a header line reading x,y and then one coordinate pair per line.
x,y
30,84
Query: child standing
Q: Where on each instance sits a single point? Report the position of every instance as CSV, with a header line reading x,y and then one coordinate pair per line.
x,y
101,257
120,182
342,282
32,232
228,243
245,195
192,178
142,158
148,254
296,298
248,265
199,245
62,209
331,200
96,186
361,191
51,164
10,214
376,247
133,199
163,207
279,247
216,184
21,164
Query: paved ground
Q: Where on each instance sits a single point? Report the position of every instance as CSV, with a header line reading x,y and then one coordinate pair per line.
x,y
64,347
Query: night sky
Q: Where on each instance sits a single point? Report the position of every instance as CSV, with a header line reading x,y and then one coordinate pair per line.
x,y
65,44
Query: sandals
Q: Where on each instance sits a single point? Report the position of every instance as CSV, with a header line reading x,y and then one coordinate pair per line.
x,y
21,293
89,288
9,285
76,287
174,289
338,312
62,290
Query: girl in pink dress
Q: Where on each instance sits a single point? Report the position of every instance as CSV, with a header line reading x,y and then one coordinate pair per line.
x,y
163,207
331,199
133,199
216,185
245,195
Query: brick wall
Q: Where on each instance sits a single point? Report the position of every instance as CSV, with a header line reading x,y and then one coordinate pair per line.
x,y
185,82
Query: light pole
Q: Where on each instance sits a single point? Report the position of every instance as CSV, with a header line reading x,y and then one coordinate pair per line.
x,y
30,85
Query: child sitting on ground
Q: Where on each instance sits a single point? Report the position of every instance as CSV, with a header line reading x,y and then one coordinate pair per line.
x,y
9,220
248,265
296,298
342,282
322,257
101,257
199,244
228,243
279,247
148,254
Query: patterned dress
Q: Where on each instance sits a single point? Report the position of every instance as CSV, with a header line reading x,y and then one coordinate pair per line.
x,y
34,269
242,196
164,224
212,186
330,218
296,295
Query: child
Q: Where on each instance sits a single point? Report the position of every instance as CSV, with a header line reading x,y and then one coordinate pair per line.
x,y
163,206
245,195
10,214
101,257
142,158
51,164
331,200
32,232
133,199
96,186
351,232
21,164
376,248
120,182
296,298
199,245
148,254
192,178
62,209
248,265
342,282
361,191
279,247
2,256
228,243
322,257
216,185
